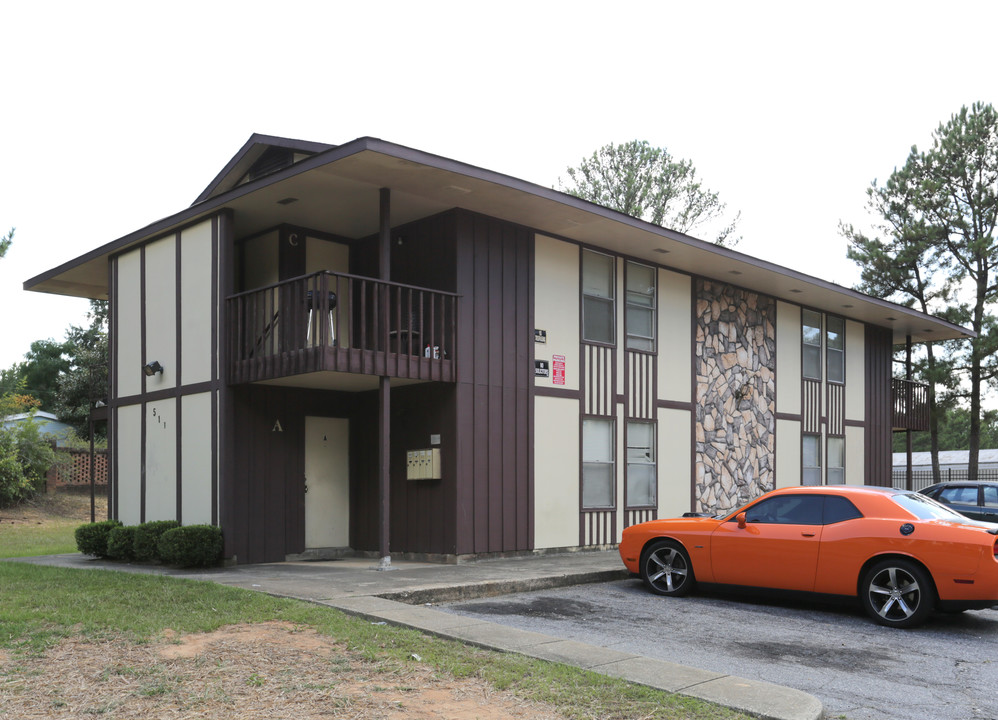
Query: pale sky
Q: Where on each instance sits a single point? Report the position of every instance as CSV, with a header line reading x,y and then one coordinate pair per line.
x,y
118,114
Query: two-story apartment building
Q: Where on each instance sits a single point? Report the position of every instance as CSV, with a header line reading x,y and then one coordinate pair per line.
x,y
370,349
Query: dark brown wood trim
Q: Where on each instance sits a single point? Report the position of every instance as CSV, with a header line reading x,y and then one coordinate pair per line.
x,y
222,425
178,363
142,358
112,390
674,405
795,417
567,394
694,322
165,394
855,423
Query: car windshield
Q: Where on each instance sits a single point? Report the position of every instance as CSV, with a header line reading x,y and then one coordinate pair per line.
x,y
925,508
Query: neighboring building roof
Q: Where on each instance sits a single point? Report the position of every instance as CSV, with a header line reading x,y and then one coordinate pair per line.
x,y
335,189
955,459
48,424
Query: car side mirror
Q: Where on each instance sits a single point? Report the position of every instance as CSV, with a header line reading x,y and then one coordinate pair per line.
x,y
740,517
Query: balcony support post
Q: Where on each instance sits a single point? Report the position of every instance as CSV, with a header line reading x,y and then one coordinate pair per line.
x,y
384,388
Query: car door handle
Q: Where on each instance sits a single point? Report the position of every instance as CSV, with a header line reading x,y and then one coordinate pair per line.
x,y
808,534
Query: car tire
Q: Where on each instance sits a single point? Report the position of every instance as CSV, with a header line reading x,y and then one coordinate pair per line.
x,y
666,569
897,593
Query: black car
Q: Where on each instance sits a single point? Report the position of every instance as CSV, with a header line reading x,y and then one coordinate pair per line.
x,y
977,500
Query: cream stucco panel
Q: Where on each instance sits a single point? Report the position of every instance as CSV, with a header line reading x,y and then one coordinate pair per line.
x,y
161,460
195,471
128,325
675,339
855,371
788,459
788,359
326,255
556,308
556,472
195,308
855,456
161,311
675,457
128,461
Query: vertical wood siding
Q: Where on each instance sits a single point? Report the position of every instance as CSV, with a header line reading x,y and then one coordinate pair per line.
x,y
639,374
599,381
879,345
811,406
836,410
494,393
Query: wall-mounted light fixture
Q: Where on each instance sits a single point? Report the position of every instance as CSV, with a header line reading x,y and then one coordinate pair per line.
x,y
152,368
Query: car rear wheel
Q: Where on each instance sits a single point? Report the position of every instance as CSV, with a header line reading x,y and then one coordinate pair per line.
x,y
898,593
666,569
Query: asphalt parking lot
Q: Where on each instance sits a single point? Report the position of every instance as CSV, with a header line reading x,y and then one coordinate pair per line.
x,y
945,670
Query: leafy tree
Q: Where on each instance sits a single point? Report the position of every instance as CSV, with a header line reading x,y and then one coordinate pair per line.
x,y
44,363
5,242
647,183
903,262
954,430
86,378
947,198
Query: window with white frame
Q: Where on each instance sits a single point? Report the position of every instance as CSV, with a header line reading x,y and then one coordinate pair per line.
x,y
811,344
835,346
597,297
639,318
641,476
597,462
811,460
836,460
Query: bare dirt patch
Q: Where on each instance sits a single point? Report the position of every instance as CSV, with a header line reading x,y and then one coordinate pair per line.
x,y
269,670
71,504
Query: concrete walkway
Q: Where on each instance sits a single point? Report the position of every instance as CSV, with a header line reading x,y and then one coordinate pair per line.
x,y
404,595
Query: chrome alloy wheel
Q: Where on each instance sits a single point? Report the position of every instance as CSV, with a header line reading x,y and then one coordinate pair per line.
x,y
666,569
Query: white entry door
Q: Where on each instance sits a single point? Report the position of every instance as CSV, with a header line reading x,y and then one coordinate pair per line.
x,y
327,486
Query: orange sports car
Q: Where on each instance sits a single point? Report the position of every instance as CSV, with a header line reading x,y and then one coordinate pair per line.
x,y
902,554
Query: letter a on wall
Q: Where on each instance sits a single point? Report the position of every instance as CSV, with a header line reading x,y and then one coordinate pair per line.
x,y
277,426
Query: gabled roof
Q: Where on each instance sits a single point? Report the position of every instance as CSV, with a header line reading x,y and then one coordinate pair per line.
x,y
336,189
253,155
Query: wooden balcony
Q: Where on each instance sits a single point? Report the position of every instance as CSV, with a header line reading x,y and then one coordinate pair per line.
x,y
334,322
910,409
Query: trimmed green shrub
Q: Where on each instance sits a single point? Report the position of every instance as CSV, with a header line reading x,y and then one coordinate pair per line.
x,y
191,546
147,537
121,543
91,539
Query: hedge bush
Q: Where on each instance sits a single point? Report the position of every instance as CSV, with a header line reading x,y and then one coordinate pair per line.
x,y
147,537
91,539
191,546
121,543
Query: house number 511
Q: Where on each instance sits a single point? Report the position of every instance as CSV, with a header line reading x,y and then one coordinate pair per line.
x,y
159,418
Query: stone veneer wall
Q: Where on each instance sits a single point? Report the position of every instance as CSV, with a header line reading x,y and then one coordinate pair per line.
x,y
735,395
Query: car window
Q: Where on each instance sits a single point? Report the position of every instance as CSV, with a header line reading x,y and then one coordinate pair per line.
x,y
990,496
787,510
958,495
838,509
926,508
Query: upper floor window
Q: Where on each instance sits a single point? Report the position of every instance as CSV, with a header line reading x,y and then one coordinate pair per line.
x,y
835,348
640,312
597,297
811,344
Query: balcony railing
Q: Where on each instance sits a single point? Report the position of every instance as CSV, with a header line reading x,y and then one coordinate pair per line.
x,y
911,405
341,323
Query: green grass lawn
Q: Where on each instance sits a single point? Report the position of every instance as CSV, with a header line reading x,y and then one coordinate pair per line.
x,y
52,537
41,605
